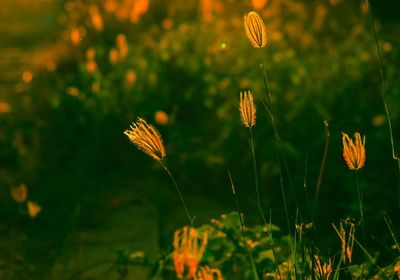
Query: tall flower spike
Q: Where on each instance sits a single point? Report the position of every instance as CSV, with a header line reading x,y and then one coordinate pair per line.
x,y
187,251
354,151
255,29
247,109
147,139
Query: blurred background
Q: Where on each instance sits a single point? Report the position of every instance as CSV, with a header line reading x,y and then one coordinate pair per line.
x,y
75,74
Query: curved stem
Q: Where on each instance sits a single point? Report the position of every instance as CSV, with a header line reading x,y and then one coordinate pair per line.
x,y
256,178
179,192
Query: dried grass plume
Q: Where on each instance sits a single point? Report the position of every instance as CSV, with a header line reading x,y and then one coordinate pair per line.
x,y
147,139
354,151
255,29
247,109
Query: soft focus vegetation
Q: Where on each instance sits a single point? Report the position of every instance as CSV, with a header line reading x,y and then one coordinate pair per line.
x,y
68,173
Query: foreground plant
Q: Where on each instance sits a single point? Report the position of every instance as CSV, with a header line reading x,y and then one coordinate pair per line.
x,y
354,155
188,252
248,115
146,138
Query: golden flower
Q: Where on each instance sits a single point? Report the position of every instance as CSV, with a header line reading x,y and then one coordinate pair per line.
x,y
255,29
33,209
205,273
146,138
188,252
354,152
161,117
247,109
20,193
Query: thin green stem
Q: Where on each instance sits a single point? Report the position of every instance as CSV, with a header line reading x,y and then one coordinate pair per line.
x,y
271,242
371,259
278,153
256,178
359,199
246,249
179,192
322,167
388,223
280,168
383,86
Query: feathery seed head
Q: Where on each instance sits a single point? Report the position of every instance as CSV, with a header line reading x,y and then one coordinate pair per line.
x,y
255,29
146,138
247,109
354,151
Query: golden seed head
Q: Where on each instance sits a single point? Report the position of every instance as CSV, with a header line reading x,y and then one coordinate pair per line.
x,y
255,29
354,151
247,109
146,138
188,251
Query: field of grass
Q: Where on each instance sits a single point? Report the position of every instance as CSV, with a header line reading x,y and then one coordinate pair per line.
x,y
251,139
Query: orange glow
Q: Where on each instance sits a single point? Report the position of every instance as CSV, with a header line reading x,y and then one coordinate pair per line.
x,y
122,45
91,66
167,23
76,36
27,77
140,7
113,56
259,4
96,19
5,107
90,53
20,193
73,91
161,117
33,209
131,77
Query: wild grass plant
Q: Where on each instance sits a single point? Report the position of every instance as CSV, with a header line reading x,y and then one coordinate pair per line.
x,y
265,259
